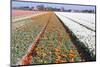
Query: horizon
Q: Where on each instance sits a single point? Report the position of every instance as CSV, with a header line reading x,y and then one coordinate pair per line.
x,y
53,5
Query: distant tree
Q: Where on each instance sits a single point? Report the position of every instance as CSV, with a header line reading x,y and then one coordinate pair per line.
x,y
62,9
91,11
88,11
32,8
49,8
40,7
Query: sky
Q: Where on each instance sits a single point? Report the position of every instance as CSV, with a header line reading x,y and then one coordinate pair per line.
x,y
66,6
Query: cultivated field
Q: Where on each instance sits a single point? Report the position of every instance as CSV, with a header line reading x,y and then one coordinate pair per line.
x,y
82,25
50,40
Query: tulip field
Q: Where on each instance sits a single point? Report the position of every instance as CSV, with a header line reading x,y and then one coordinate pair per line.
x,y
45,37
83,28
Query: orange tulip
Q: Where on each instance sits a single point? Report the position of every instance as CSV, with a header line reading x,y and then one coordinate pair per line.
x,y
71,56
